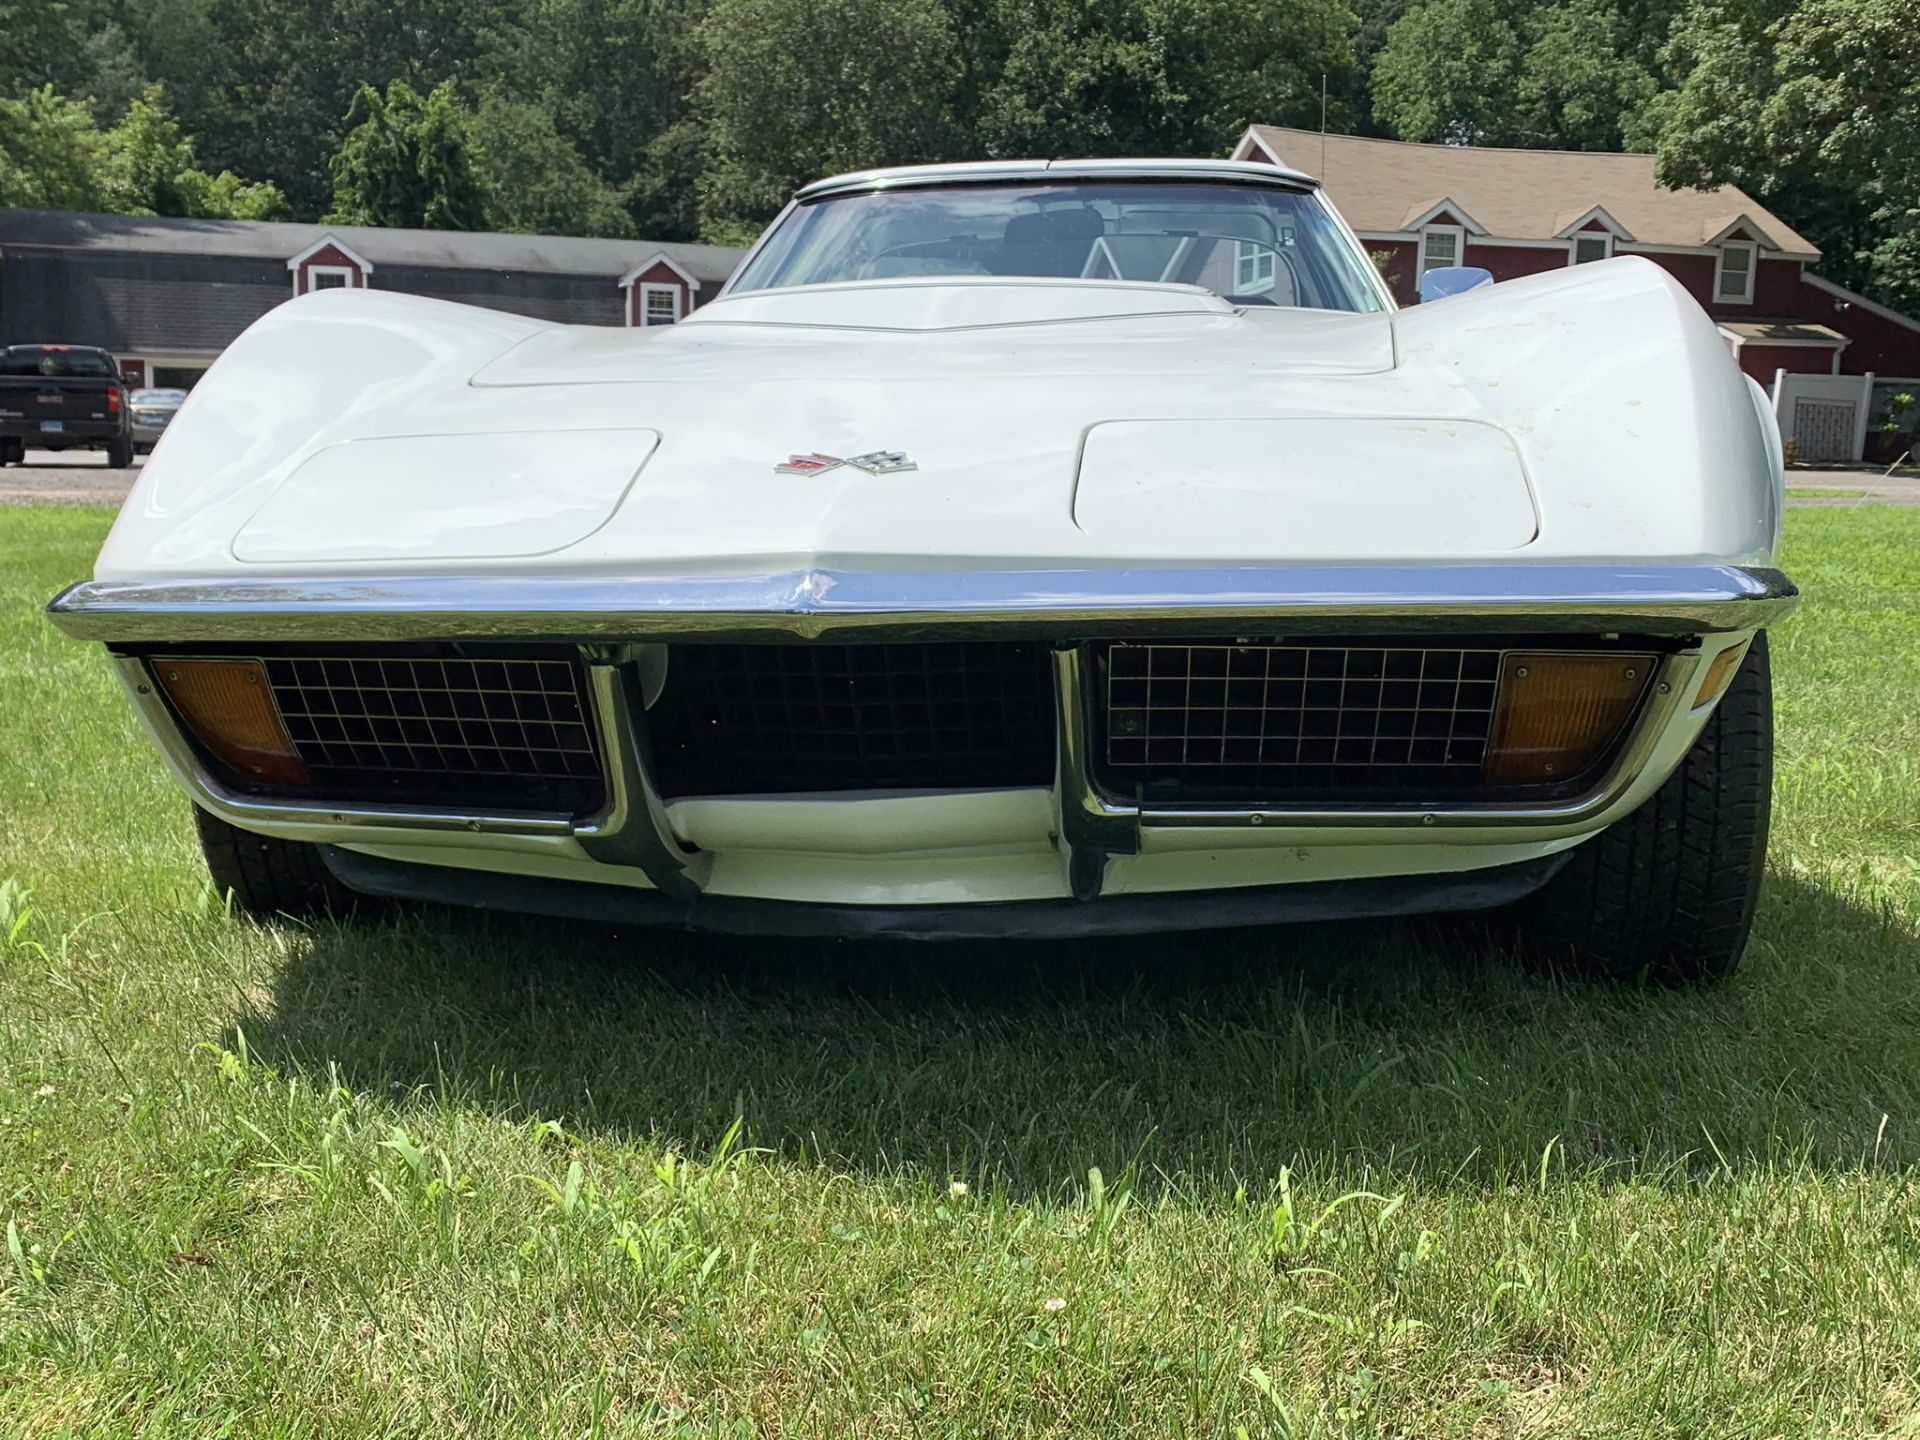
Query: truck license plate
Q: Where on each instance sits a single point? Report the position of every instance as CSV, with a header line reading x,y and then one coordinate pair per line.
x,y
52,427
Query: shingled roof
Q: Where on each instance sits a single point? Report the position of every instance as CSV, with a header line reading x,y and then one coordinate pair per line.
x,y
550,254
1392,186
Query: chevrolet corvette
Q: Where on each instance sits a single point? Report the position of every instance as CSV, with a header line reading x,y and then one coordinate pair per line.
x,y
1023,549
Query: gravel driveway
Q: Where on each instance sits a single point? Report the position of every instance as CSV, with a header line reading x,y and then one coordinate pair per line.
x,y
58,477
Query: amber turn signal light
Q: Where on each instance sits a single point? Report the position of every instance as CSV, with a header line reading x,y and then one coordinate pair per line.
x,y
1720,672
228,706
1557,714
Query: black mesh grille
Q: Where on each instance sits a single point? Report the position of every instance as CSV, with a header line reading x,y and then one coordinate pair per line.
x,y
760,719
1273,722
509,731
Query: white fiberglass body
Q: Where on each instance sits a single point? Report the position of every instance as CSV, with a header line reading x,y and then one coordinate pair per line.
x,y
363,463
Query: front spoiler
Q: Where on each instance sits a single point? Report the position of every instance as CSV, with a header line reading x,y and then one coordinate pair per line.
x,y
1485,889
1535,597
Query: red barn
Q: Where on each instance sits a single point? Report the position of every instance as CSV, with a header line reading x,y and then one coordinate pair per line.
x,y
1829,357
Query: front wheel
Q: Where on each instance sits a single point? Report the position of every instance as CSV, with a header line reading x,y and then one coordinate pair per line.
x,y
268,876
1668,893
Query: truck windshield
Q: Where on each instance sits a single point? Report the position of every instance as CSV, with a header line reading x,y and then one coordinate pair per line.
x,y
55,360
1253,244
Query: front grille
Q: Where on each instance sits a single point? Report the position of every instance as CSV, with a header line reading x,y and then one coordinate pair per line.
x,y
1266,723
512,731
784,719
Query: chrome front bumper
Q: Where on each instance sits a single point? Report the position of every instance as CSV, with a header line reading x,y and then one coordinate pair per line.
x,y
804,604
633,829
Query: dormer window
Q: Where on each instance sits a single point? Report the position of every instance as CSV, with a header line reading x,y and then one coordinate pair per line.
x,y
1589,248
1733,272
1441,246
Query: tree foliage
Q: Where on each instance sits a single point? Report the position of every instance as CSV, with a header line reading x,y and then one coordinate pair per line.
x,y
54,156
1562,76
683,119
1815,108
796,89
405,162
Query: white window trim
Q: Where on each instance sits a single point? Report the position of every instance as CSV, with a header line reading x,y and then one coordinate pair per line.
x,y
348,275
1752,247
1605,237
648,288
1254,250
1459,233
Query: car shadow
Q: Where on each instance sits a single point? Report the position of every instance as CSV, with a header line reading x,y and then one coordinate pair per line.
x,y
1205,1058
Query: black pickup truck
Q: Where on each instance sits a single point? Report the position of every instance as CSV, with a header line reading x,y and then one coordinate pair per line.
x,y
63,397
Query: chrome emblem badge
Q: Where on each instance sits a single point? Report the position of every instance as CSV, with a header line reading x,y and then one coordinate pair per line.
x,y
874,462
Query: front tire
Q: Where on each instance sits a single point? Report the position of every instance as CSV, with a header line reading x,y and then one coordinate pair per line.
x,y
268,876
1668,894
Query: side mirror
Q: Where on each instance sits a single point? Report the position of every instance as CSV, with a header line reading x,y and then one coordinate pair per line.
x,y
1452,280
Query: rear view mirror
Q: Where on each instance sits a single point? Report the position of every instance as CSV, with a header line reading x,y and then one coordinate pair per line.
x,y
1447,280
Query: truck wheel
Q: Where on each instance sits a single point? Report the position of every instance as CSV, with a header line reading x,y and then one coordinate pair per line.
x,y
13,451
268,876
1667,894
119,454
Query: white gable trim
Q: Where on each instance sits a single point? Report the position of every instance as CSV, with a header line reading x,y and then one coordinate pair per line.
x,y
1252,147
1504,242
1752,227
1820,282
662,258
330,241
1598,212
1449,206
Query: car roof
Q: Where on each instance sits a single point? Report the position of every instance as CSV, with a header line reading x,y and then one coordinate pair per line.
x,y
978,172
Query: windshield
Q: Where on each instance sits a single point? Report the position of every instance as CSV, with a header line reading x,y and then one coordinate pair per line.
x,y
57,360
158,397
1253,244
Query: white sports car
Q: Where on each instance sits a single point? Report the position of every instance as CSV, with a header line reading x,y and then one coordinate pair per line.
x,y
1011,549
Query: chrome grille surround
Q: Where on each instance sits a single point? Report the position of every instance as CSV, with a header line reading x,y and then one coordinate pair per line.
x,y
433,725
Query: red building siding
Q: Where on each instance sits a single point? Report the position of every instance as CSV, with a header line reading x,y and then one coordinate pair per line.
x,y
1886,347
1400,268
658,274
1510,262
1762,361
328,257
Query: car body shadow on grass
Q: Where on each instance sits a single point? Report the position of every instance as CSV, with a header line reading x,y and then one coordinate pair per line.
x,y
1199,1059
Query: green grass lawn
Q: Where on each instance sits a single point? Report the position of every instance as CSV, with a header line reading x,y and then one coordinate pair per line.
x,y
453,1177
1823,492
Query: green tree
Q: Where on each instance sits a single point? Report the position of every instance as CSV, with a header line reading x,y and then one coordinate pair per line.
x,y
796,89
53,156
265,85
115,77
1815,108
50,153
1104,77
43,43
1501,72
616,79
147,168
533,177
405,162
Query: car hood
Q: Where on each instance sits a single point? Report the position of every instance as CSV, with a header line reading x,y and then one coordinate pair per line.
x,y
1046,425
